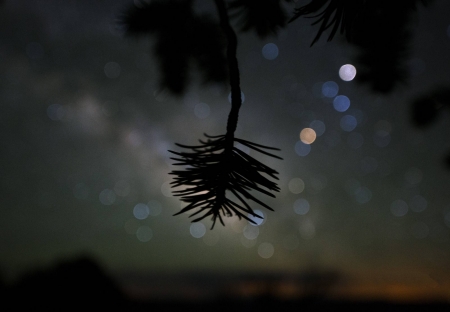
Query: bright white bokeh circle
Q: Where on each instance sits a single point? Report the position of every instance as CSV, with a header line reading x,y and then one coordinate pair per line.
x,y
347,72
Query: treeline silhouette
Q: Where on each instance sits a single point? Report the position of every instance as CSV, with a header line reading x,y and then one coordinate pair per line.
x,y
82,284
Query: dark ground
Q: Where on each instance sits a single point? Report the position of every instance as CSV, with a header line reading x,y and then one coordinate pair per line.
x,y
82,283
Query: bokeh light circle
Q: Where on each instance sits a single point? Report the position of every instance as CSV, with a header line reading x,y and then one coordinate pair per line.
x,y
341,103
347,72
197,229
251,232
330,89
302,149
154,207
301,206
266,250
363,195
270,51
242,97
141,211
257,221
399,208
296,185
166,189
418,203
348,123
144,233
308,135
318,126
107,197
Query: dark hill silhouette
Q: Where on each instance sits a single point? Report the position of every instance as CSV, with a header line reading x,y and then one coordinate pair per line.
x,y
82,285
79,283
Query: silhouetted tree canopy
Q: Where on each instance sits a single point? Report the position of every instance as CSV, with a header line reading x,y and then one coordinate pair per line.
x,y
263,17
427,108
216,166
380,29
183,39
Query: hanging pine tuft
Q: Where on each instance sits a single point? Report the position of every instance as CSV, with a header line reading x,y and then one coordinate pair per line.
x,y
217,166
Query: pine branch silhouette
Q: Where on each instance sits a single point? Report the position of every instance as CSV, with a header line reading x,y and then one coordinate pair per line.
x,y
339,14
378,28
183,39
216,166
264,17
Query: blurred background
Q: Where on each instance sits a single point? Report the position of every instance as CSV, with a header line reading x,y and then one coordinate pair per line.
x,y
364,208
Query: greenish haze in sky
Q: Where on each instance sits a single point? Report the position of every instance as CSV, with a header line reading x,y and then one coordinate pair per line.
x,y
85,135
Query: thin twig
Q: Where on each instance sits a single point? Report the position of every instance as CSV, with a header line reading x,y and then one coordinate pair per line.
x,y
232,68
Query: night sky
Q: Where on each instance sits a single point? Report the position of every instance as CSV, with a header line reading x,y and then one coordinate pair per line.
x,y
86,129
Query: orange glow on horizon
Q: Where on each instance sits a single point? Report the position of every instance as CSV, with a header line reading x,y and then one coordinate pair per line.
x,y
396,292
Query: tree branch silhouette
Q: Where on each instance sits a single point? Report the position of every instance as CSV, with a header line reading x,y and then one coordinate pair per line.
x,y
378,28
233,67
264,17
183,38
217,166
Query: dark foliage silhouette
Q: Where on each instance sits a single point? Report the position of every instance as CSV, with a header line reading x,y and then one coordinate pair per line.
x,y
379,29
382,33
215,167
427,108
264,17
80,284
76,284
339,14
183,39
